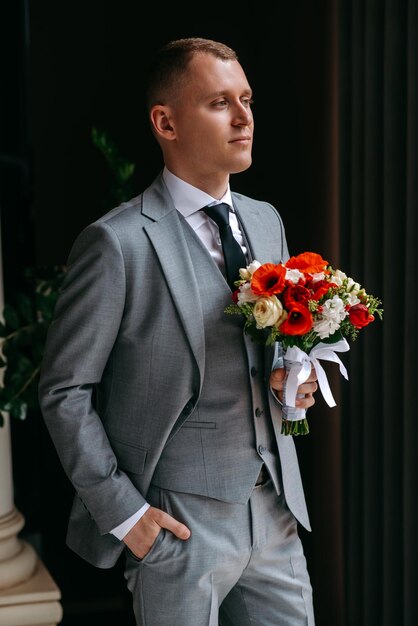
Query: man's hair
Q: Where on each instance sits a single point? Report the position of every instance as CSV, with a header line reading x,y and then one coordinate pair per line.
x,y
168,68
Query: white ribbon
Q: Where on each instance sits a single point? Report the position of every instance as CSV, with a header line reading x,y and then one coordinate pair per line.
x,y
302,364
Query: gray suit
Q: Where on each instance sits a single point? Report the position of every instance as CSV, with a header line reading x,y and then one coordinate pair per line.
x,y
148,387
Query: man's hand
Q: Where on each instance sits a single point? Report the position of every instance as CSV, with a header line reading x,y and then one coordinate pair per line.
x,y
141,537
308,388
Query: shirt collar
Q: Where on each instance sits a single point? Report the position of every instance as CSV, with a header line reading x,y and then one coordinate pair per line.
x,y
188,199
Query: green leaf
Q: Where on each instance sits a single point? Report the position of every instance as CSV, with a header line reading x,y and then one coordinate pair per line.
x,y
18,409
333,338
23,343
126,171
122,169
25,307
11,317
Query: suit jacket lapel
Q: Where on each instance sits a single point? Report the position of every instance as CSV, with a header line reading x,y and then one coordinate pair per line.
x,y
263,245
167,237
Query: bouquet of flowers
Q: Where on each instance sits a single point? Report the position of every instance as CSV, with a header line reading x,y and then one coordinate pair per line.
x,y
309,308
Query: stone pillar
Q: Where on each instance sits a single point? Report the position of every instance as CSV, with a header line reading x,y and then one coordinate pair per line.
x,y
17,558
28,594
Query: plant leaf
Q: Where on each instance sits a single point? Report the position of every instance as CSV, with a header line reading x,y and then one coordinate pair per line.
x,y
25,307
11,317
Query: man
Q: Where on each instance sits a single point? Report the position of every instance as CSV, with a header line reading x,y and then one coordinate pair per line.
x,y
162,410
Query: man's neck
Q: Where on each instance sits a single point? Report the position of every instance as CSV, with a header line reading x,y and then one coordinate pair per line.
x,y
215,186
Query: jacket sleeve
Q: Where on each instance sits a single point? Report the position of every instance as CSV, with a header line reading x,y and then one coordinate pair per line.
x,y
86,324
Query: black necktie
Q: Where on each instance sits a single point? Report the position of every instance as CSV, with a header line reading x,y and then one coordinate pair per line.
x,y
233,254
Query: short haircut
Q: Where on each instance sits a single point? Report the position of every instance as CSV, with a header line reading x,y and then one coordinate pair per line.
x,y
170,64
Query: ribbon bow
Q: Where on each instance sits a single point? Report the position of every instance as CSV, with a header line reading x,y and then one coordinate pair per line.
x,y
301,365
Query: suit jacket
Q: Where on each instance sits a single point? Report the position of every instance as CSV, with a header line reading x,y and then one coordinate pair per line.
x,y
108,391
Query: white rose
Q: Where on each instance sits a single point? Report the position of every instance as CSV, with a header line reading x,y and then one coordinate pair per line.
x,y
267,311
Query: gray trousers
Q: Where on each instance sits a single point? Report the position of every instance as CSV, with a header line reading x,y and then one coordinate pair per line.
x,y
242,566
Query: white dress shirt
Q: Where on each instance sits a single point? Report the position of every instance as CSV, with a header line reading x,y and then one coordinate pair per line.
x,y
188,201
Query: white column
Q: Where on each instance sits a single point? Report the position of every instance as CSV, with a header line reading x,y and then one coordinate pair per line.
x,y
28,595
17,558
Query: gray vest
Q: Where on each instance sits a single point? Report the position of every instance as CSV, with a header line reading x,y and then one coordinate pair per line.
x,y
220,448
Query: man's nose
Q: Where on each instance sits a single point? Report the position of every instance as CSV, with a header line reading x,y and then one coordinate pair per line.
x,y
243,115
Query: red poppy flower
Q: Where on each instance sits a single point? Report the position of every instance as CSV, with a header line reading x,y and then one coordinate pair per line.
x,y
269,279
298,322
320,288
307,262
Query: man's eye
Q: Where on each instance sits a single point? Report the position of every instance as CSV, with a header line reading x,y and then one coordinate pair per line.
x,y
247,102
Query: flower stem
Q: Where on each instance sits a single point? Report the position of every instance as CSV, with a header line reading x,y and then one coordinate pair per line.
x,y
32,377
295,427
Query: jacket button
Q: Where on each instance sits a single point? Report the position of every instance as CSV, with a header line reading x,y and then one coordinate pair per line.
x,y
258,412
253,371
261,449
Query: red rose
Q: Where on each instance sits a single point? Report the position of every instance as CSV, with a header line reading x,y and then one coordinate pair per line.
x,y
298,322
359,316
268,280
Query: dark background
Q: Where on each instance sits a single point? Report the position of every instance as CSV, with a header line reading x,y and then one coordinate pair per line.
x,y
67,67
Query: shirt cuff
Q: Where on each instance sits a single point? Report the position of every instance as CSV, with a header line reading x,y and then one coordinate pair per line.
x,y
122,530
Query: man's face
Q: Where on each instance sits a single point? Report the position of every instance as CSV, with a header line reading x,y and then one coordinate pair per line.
x,y
212,119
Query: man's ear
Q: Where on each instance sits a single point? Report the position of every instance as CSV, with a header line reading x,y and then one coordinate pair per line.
x,y
161,121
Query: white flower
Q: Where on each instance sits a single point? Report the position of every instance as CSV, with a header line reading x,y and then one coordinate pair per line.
x,y
318,276
352,287
338,277
267,311
329,319
293,275
247,272
352,299
246,294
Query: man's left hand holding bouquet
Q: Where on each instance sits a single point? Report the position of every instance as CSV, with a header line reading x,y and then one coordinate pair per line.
x,y
305,398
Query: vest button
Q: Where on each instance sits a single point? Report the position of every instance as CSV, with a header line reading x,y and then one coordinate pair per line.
x,y
258,412
261,449
253,371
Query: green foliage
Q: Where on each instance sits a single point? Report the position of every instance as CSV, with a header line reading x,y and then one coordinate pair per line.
x,y
25,323
22,336
122,169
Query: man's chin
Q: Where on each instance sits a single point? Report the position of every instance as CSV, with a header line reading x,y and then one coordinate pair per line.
x,y
241,167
